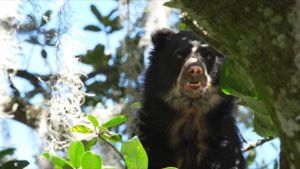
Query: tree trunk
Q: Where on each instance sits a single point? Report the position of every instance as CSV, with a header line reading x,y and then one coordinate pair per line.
x,y
264,37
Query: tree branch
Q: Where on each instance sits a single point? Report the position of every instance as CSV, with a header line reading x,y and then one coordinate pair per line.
x,y
104,70
113,147
257,143
33,79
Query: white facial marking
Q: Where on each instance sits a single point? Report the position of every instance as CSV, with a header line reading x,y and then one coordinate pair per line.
x,y
194,49
195,45
191,60
204,45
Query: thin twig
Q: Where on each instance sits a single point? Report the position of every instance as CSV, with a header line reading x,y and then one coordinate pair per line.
x,y
257,143
114,148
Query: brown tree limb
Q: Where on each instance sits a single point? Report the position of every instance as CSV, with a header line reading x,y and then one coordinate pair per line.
x,y
101,70
32,78
257,143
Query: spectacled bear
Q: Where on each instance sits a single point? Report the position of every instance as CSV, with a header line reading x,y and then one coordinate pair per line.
x,y
185,120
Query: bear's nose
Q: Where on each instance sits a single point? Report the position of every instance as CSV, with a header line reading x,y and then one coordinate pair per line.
x,y
195,71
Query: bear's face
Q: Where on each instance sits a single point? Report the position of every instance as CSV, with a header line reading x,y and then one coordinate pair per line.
x,y
188,69
196,63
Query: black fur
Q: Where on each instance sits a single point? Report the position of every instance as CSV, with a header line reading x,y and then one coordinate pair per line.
x,y
181,126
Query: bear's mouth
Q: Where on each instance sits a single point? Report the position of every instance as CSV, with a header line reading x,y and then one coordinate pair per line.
x,y
194,89
194,85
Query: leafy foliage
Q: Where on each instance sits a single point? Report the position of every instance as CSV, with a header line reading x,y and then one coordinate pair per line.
x,y
14,164
235,81
107,80
11,164
5,152
109,23
58,162
106,66
80,155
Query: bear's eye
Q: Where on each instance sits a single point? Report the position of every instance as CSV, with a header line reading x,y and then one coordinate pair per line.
x,y
178,55
207,54
208,57
181,53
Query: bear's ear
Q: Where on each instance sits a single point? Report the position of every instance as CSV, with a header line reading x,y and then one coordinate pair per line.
x,y
161,36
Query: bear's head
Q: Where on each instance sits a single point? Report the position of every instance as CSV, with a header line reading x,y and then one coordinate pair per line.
x,y
183,69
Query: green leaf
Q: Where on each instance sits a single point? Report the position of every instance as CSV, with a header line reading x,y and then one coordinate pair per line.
x,y
105,21
46,155
89,144
136,105
96,57
172,4
15,164
103,129
75,151
67,167
90,160
115,121
234,79
81,129
96,12
251,157
115,24
57,161
134,154
182,26
5,152
263,125
112,12
112,138
93,28
93,120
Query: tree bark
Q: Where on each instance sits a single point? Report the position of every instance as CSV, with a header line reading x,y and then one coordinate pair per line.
x,y
263,36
